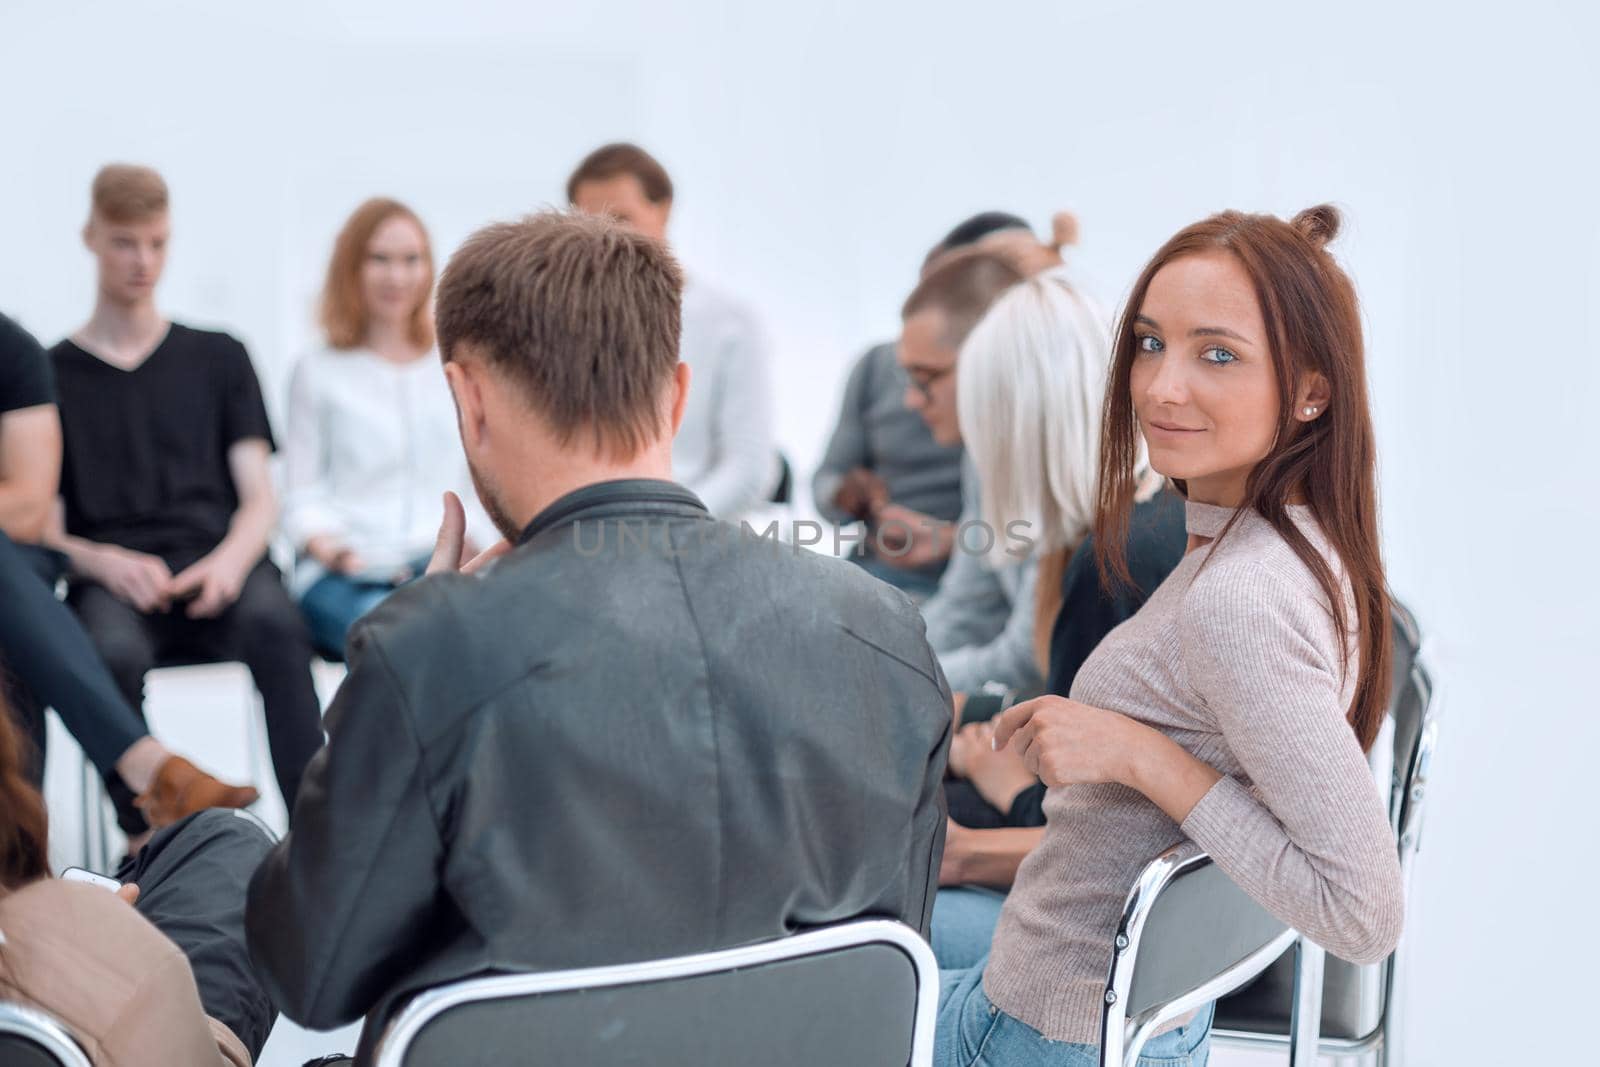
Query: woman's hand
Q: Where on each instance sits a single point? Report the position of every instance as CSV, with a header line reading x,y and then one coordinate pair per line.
x,y
964,744
997,773
334,556
1068,743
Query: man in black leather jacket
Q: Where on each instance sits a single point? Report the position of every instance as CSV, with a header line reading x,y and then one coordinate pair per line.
x,y
638,732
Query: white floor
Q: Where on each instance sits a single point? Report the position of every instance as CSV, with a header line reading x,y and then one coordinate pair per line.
x,y
210,713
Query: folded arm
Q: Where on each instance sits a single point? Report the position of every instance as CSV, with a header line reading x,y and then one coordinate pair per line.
x,y
1005,652
1309,838
30,469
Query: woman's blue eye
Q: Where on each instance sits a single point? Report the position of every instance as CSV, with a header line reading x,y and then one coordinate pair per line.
x,y
1219,356
1149,343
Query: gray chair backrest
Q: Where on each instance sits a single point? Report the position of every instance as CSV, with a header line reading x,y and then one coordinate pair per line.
x,y
1354,997
1405,709
31,1038
1198,897
1159,969
862,994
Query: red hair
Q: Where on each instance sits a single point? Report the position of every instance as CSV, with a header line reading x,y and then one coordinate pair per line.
x,y
344,308
1313,325
24,830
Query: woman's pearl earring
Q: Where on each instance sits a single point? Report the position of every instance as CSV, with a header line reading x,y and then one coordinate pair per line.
x,y
1310,412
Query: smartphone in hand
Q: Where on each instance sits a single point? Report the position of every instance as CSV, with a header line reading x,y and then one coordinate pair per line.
x,y
78,874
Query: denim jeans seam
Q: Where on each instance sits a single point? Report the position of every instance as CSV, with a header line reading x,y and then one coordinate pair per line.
x,y
983,1042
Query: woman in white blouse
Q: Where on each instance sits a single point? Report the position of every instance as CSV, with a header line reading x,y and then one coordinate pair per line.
x,y
372,441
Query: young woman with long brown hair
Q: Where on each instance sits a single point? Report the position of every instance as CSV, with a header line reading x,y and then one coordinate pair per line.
x,y
156,972
371,442
1235,708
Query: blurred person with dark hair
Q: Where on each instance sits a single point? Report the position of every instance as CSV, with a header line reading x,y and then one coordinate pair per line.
x,y
725,452
371,433
911,538
167,499
46,659
981,618
157,971
882,457
521,761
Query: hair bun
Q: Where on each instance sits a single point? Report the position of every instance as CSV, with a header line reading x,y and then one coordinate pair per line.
x,y
1063,229
1319,224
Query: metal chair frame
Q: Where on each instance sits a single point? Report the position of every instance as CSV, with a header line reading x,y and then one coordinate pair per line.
x,y
1123,1038
31,1024
424,1008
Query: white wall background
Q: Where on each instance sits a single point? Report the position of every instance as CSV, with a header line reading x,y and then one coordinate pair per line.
x,y
820,148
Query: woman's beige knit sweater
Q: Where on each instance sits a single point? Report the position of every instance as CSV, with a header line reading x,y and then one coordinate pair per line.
x,y
1239,662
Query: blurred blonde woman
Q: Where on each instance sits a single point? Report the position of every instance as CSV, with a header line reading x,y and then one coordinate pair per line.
x,y
372,441
1030,381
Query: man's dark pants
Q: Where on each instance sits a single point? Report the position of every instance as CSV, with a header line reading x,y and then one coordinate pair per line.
x,y
192,879
262,629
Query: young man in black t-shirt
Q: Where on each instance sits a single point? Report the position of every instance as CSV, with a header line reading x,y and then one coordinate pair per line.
x,y
167,496
30,436
45,656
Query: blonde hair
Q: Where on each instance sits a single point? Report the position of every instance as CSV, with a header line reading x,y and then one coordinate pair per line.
x,y
127,192
1030,382
343,314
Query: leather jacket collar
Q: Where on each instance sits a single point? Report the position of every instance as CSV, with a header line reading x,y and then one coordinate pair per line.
x,y
618,496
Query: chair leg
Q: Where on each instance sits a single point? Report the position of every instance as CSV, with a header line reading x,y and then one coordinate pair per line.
x,y
1305,1023
1385,1055
92,818
85,809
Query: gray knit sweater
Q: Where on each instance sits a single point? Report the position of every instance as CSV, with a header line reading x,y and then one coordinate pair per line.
x,y
1239,662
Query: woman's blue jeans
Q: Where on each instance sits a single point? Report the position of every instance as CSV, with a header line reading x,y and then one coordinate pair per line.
x,y
964,918
334,603
971,1032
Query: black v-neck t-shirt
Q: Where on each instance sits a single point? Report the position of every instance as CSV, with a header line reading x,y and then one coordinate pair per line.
x,y
145,456
24,370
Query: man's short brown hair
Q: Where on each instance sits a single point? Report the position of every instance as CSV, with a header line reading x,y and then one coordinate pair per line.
x,y
582,312
962,285
126,192
610,160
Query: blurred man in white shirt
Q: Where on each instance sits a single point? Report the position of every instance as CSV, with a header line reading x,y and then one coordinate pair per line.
x,y
724,451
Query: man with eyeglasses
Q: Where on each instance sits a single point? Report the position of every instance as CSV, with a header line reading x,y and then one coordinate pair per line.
x,y
971,616
884,466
